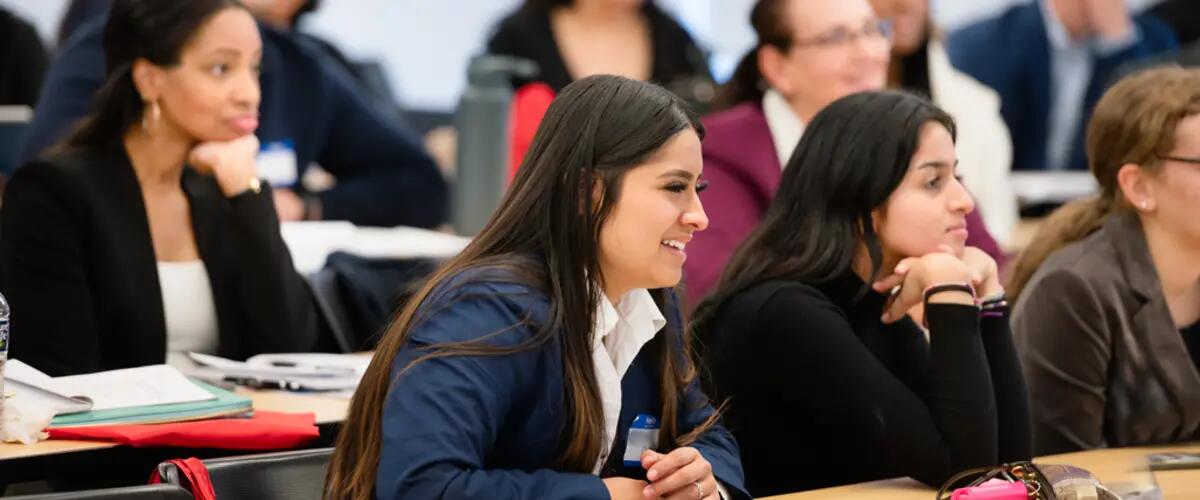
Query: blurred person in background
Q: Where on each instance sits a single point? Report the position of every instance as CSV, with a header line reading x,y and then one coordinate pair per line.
x,y
146,233
313,112
23,61
809,53
1050,60
571,39
920,64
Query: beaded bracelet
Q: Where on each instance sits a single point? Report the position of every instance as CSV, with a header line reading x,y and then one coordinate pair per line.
x,y
993,305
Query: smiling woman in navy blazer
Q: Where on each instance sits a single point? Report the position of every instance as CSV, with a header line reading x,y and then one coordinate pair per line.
x,y
538,362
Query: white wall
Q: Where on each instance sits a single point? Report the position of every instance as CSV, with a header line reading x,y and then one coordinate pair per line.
x,y
44,14
424,45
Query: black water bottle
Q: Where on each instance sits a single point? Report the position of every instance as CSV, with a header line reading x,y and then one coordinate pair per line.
x,y
482,121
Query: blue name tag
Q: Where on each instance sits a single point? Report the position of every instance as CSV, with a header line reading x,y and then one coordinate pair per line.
x,y
643,435
277,163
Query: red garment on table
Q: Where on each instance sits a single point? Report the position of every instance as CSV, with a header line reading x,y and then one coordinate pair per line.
x,y
266,430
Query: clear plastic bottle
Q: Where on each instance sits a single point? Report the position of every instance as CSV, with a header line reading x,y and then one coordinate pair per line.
x,y
3,358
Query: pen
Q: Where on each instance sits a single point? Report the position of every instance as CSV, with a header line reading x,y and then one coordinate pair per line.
x,y
331,369
260,383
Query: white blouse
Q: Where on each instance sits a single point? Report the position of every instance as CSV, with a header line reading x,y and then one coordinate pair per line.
x,y
619,335
188,308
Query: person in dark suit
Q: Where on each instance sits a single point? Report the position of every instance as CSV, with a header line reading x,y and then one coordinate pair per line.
x,y
571,39
1107,314
1050,60
147,233
547,360
23,61
312,112
827,380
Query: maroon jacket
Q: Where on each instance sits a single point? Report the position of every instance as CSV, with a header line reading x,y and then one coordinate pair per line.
x,y
743,172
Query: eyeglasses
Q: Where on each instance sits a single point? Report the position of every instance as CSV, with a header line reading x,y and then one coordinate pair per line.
x,y
875,29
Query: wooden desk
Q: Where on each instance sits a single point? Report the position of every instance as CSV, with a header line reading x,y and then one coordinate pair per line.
x,y
328,410
1123,469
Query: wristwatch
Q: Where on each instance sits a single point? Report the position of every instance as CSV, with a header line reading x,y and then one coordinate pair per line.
x,y
255,185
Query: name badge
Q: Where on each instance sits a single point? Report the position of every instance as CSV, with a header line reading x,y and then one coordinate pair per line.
x,y
643,435
277,163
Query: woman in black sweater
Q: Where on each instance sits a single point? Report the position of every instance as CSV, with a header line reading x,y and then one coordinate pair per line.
x,y
828,380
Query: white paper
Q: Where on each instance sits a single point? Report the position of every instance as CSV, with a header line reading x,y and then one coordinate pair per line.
x,y
130,387
35,391
277,164
1052,186
311,242
299,371
315,360
268,367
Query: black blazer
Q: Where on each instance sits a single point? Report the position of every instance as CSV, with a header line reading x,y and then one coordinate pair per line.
x,y
81,276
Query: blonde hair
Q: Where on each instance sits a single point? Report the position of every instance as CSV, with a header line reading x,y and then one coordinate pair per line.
x,y
1134,123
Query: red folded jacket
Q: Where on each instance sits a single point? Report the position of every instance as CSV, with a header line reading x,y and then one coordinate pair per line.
x,y
265,430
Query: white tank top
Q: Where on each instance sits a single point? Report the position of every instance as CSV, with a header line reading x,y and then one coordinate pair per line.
x,y
188,309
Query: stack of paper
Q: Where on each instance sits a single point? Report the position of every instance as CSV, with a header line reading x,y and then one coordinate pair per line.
x,y
147,394
311,242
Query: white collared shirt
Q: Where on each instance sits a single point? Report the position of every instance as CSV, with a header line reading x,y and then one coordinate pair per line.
x,y
786,127
618,336
1071,65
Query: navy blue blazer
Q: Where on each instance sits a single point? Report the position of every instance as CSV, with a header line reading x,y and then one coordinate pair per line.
x,y
384,176
490,427
1011,54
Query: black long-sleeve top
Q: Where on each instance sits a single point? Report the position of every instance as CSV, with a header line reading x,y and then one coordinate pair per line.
x,y
822,393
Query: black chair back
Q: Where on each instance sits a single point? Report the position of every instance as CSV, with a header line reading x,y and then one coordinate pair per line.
x,y
145,492
289,475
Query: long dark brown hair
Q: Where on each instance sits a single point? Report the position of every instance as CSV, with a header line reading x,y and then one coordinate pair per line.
x,y
1134,122
852,157
769,20
545,237
154,30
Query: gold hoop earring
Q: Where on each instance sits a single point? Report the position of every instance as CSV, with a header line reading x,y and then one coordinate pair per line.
x,y
154,114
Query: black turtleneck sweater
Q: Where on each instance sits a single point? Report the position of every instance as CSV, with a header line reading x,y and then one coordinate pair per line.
x,y
822,393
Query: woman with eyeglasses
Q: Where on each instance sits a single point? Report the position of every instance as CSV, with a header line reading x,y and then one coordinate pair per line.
x,y
809,53
1107,318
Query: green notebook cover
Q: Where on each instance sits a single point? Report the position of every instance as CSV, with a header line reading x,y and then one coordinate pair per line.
x,y
226,403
